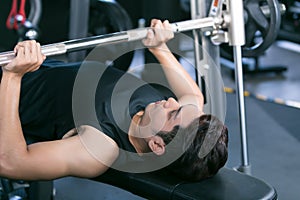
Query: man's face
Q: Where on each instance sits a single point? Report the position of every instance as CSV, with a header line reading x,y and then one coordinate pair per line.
x,y
164,115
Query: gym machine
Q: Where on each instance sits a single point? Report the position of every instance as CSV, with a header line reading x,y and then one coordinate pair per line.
x,y
217,26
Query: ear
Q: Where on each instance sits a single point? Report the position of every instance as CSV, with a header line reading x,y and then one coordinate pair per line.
x,y
157,145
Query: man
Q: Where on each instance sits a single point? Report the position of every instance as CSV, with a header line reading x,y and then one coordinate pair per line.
x,y
47,105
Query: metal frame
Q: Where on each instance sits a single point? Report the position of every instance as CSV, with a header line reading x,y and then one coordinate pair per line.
x,y
236,32
234,18
206,64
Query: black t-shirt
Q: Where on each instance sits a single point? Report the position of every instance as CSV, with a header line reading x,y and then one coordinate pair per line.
x,y
55,95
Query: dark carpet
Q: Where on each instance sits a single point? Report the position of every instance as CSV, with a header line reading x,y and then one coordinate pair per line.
x,y
273,143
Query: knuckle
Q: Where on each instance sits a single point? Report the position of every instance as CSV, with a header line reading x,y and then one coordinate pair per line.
x,y
32,43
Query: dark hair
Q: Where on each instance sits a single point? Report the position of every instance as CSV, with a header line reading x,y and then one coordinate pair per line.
x,y
199,161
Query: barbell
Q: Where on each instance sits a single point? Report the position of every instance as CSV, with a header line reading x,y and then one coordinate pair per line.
x,y
253,9
112,38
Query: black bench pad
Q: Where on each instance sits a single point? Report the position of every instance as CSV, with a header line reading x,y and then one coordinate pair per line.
x,y
227,184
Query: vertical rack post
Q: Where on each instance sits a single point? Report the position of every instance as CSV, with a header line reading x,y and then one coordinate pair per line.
x,y
236,34
207,63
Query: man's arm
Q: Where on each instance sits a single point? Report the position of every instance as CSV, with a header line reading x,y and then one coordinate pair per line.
x,y
45,160
181,83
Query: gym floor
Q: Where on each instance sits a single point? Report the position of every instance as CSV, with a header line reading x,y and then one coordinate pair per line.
x,y
272,112
282,86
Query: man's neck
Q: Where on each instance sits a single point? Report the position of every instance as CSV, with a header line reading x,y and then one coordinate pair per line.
x,y
135,136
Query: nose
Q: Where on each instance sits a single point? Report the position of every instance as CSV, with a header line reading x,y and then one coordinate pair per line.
x,y
171,103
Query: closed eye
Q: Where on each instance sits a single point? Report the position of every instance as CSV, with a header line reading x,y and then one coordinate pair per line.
x,y
171,114
174,113
178,111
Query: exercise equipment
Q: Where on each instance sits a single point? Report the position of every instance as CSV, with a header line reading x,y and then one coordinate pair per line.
x,y
85,18
224,27
100,17
290,26
110,17
262,25
258,20
26,28
226,185
16,17
112,38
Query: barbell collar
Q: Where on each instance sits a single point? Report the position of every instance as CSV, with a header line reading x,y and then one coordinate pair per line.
x,y
267,12
188,25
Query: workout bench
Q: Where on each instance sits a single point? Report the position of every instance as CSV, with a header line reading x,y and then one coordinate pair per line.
x,y
228,184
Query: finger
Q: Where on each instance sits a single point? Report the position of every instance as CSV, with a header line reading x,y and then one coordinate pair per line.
x,y
20,52
35,54
38,51
18,45
33,47
168,28
27,50
16,49
41,57
158,24
150,33
19,56
167,25
153,22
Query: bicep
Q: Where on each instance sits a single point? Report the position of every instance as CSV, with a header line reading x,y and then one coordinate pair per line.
x,y
67,157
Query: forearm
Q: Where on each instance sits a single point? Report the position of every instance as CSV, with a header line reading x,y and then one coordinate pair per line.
x,y
12,142
179,80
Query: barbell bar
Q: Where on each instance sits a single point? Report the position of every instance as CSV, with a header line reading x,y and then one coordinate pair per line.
x,y
112,38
